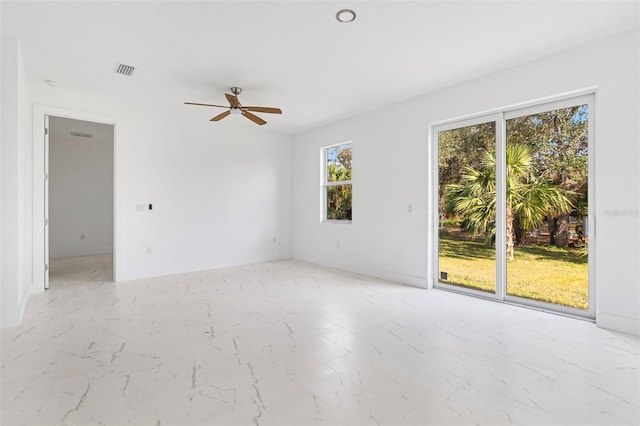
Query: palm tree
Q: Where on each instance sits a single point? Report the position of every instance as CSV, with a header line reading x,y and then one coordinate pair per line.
x,y
528,198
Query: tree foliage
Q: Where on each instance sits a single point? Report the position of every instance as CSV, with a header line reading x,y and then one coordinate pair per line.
x,y
344,159
459,148
557,142
339,197
529,198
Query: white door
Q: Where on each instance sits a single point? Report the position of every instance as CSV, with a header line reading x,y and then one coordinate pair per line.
x,y
46,201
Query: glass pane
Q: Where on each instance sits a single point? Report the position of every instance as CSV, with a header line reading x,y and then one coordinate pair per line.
x,y
339,163
467,207
547,207
339,202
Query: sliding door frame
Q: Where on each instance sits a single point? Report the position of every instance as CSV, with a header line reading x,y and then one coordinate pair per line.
x,y
500,117
589,100
500,205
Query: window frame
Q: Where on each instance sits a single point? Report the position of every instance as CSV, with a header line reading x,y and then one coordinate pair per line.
x,y
325,184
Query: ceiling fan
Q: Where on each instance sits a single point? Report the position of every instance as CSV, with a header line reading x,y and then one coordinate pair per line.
x,y
235,107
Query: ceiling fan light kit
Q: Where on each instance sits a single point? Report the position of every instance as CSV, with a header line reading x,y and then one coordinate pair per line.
x,y
236,108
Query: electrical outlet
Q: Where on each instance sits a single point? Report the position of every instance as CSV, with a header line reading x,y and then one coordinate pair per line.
x,y
274,240
148,250
410,208
338,244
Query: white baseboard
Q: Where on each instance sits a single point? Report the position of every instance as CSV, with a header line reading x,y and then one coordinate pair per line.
x,y
15,317
430,283
618,323
402,279
23,302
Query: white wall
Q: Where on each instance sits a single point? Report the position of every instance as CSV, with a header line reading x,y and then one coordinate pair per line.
x,y
390,173
220,191
80,188
16,271
1,168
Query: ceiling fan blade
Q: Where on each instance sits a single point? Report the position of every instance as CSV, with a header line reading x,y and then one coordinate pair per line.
x,y
195,103
254,118
220,116
233,100
268,110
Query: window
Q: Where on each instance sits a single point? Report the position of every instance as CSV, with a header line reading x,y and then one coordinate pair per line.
x,y
337,187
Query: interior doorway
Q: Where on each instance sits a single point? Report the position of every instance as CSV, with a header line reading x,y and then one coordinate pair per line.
x,y
79,200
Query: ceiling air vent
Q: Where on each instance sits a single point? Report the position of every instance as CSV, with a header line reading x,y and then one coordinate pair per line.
x,y
124,70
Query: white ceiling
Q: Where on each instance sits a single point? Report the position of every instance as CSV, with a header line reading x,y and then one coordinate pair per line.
x,y
294,54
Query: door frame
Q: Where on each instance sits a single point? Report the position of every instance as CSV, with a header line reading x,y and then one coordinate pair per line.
x,y
465,122
500,115
40,185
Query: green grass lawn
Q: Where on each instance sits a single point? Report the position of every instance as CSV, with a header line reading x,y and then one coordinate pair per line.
x,y
538,272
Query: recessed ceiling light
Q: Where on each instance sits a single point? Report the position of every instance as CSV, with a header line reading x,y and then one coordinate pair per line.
x,y
346,15
52,83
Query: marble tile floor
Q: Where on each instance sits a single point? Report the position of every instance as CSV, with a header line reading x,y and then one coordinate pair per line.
x,y
74,270
289,343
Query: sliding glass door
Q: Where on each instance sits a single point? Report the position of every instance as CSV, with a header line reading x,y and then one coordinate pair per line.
x,y
547,149
513,199
466,213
